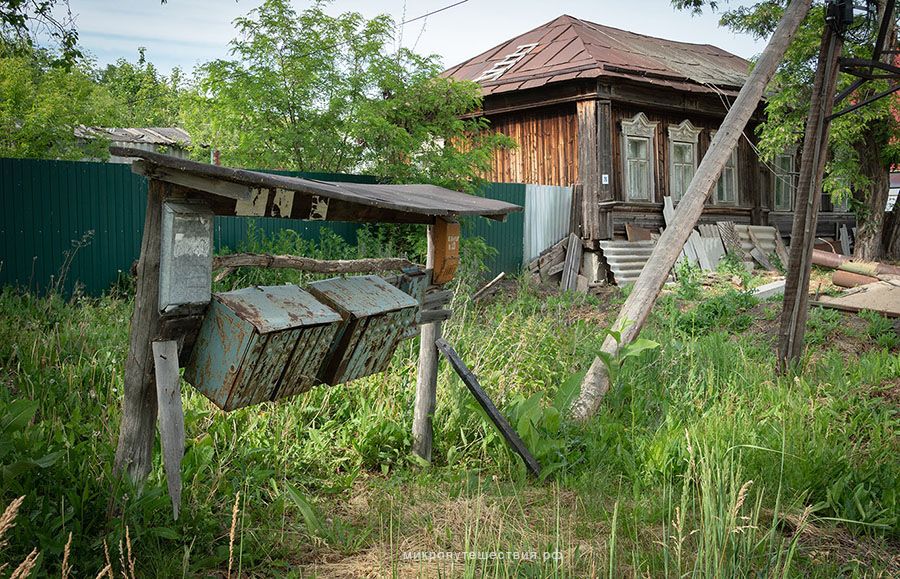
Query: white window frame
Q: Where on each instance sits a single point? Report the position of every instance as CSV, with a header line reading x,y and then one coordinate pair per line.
x,y
639,127
684,133
732,164
784,180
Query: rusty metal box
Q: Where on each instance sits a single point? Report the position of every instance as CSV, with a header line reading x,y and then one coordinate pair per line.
x,y
374,313
259,344
185,260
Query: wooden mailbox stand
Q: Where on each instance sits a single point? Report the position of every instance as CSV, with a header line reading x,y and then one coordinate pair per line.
x,y
157,338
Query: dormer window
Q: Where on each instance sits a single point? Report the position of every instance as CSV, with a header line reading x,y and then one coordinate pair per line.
x,y
638,137
682,157
509,61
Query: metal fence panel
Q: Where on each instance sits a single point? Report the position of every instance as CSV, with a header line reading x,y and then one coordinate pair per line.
x,y
505,237
547,210
68,223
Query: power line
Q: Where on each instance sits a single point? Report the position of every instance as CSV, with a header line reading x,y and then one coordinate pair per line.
x,y
433,12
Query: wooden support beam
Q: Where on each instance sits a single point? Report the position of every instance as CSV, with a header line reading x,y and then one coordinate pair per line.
x,y
645,291
594,162
426,379
134,452
471,382
214,186
376,265
806,205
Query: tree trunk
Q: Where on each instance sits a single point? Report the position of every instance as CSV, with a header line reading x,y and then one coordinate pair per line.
x,y
872,198
891,236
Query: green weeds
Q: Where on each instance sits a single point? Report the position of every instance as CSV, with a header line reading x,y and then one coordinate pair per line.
x,y
658,484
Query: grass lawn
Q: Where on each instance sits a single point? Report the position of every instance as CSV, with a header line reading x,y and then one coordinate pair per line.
x,y
702,462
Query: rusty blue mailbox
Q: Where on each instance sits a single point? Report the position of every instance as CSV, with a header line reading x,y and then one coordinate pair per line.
x,y
259,344
374,313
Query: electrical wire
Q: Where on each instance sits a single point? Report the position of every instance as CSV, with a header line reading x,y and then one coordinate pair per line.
x,y
433,12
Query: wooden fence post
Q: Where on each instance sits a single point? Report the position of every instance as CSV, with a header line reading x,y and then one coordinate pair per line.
x,y
426,381
645,291
134,453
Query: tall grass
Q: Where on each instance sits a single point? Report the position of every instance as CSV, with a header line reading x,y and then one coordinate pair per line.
x,y
658,485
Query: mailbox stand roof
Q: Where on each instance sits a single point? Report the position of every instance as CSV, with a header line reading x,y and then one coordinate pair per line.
x,y
409,203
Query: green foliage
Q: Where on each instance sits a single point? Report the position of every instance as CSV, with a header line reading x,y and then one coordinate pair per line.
x,y
41,104
823,325
723,312
861,145
881,329
688,284
144,97
313,92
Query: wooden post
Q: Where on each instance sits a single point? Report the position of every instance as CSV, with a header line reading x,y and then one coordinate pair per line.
x,y
637,307
135,447
426,382
806,205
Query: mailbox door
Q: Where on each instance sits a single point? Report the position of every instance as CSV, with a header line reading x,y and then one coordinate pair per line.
x,y
306,360
217,356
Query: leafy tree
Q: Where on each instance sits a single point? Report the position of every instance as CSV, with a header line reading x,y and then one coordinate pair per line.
x,y
862,148
40,105
145,98
22,20
312,92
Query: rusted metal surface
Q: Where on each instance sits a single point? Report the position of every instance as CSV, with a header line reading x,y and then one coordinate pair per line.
x,y
259,344
568,48
375,314
843,278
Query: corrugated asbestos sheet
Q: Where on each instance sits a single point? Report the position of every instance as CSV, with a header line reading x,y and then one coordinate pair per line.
x,y
547,212
569,48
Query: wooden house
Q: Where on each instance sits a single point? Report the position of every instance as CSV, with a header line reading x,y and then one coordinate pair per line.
x,y
628,117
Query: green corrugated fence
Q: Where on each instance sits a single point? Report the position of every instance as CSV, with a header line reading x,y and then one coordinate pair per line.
x,y
84,221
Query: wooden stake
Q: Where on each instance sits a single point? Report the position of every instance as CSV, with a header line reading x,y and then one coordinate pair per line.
x,y
426,382
637,307
806,205
171,416
134,453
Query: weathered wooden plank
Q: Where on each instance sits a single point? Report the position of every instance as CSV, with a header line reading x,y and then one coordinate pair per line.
x,y
171,416
214,186
471,382
572,264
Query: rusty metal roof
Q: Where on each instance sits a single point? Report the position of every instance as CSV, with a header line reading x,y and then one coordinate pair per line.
x,y
569,48
149,135
415,199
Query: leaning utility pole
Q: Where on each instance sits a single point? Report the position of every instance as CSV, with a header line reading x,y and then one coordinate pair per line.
x,y
646,289
806,205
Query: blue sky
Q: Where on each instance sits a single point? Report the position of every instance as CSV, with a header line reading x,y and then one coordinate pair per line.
x,y
184,33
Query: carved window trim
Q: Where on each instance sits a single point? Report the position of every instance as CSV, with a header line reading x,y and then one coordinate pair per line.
x,y
680,174
729,173
638,172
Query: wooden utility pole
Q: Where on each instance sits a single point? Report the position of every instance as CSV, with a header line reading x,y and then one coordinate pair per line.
x,y
806,205
637,307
